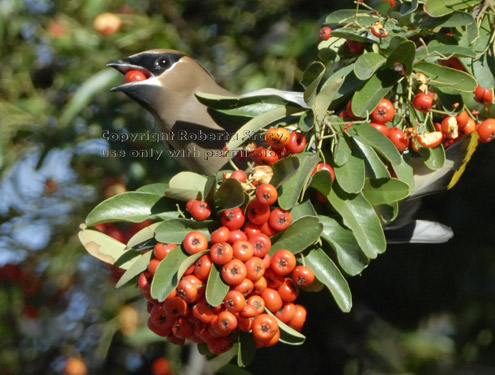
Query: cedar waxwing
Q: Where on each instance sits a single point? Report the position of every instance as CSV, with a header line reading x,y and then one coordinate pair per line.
x,y
187,126
168,94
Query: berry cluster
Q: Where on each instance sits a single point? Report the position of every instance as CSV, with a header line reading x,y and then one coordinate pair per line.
x,y
281,143
239,250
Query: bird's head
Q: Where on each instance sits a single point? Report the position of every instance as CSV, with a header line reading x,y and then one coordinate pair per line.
x,y
172,79
168,93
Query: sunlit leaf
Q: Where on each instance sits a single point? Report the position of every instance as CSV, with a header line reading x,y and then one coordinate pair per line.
x,y
367,97
130,206
305,208
284,169
288,335
438,8
231,102
385,190
258,122
434,158
404,53
325,97
103,247
292,188
167,275
342,150
367,64
230,194
327,272
302,233
350,175
349,255
442,76
145,234
186,186
321,181
216,288
375,168
381,143
175,230
360,217
404,172
311,79
139,265
157,188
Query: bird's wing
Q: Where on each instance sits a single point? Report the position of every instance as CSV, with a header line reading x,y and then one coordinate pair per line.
x,y
419,231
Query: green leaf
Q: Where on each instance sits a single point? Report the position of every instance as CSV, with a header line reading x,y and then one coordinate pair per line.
x,y
327,272
167,275
186,186
367,97
247,349
344,16
103,247
291,189
388,212
373,163
404,172
216,288
367,64
404,54
245,113
434,158
288,335
157,188
190,260
258,122
350,34
385,190
306,121
130,206
367,134
284,169
230,194
451,20
222,102
302,233
439,8
442,76
311,79
175,230
437,48
99,82
325,97
349,255
360,217
145,234
139,265
350,176
484,70
342,150
303,209
350,85
484,37
210,188
321,181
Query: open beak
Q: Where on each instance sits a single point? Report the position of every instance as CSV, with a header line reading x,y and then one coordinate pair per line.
x,y
123,67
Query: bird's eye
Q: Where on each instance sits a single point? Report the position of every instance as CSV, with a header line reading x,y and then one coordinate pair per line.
x,y
163,62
